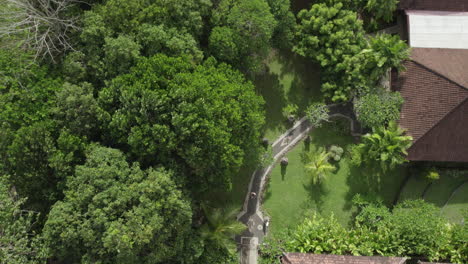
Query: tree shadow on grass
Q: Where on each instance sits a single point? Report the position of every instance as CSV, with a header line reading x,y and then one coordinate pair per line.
x,y
316,192
305,74
372,181
269,87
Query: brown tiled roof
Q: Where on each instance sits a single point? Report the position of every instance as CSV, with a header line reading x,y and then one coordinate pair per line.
x,y
451,63
434,113
435,5
302,258
447,140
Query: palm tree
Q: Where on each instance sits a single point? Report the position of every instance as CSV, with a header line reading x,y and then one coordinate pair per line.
x,y
221,227
386,145
318,165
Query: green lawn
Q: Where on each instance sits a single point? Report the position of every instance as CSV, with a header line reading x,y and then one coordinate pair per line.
x,y
289,79
291,194
457,204
439,192
414,188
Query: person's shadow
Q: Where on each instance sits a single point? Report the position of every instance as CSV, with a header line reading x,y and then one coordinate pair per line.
x,y
283,171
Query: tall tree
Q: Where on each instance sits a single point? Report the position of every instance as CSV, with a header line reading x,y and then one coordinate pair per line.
x,y
114,212
202,119
286,23
333,36
242,33
116,32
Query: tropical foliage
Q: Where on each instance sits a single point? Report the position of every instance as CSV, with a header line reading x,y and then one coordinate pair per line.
x,y
413,228
221,227
317,164
385,146
384,53
117,117
290,111
335,152
332,35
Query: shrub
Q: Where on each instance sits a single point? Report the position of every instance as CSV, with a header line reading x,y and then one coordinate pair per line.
x,y
386,146
335,153
290,111
412,228
374,110
432,174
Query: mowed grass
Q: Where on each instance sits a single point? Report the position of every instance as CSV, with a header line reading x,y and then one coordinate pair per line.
x,y
289,79
439,193
291,194
457,206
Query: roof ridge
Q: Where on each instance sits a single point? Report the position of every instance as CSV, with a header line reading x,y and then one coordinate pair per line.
x,y
439,74
436,123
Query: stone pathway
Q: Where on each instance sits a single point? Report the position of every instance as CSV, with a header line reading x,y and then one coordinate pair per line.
x,y
251,214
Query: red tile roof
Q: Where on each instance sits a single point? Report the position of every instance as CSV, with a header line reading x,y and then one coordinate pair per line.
x,y
435,5
435,111
302,258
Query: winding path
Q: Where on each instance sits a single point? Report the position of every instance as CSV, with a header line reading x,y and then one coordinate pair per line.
x,y
251,214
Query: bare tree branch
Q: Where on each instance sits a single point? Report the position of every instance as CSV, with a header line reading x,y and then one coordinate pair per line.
x,y
40,25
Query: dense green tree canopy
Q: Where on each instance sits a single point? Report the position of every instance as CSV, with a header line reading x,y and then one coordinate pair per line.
x,y
286,22
117,32
17,242
242,33
333,36
205,117
114,212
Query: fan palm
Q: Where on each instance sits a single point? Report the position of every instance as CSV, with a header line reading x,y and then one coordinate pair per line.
x,y
386,145
221,227
318,165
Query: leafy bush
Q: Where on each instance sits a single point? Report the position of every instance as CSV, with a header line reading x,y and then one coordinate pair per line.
x,y
412,228
386,146
335,152
374,110
290,111
432,174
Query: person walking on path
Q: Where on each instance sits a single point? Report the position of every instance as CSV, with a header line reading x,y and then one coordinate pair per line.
x,y
253,195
